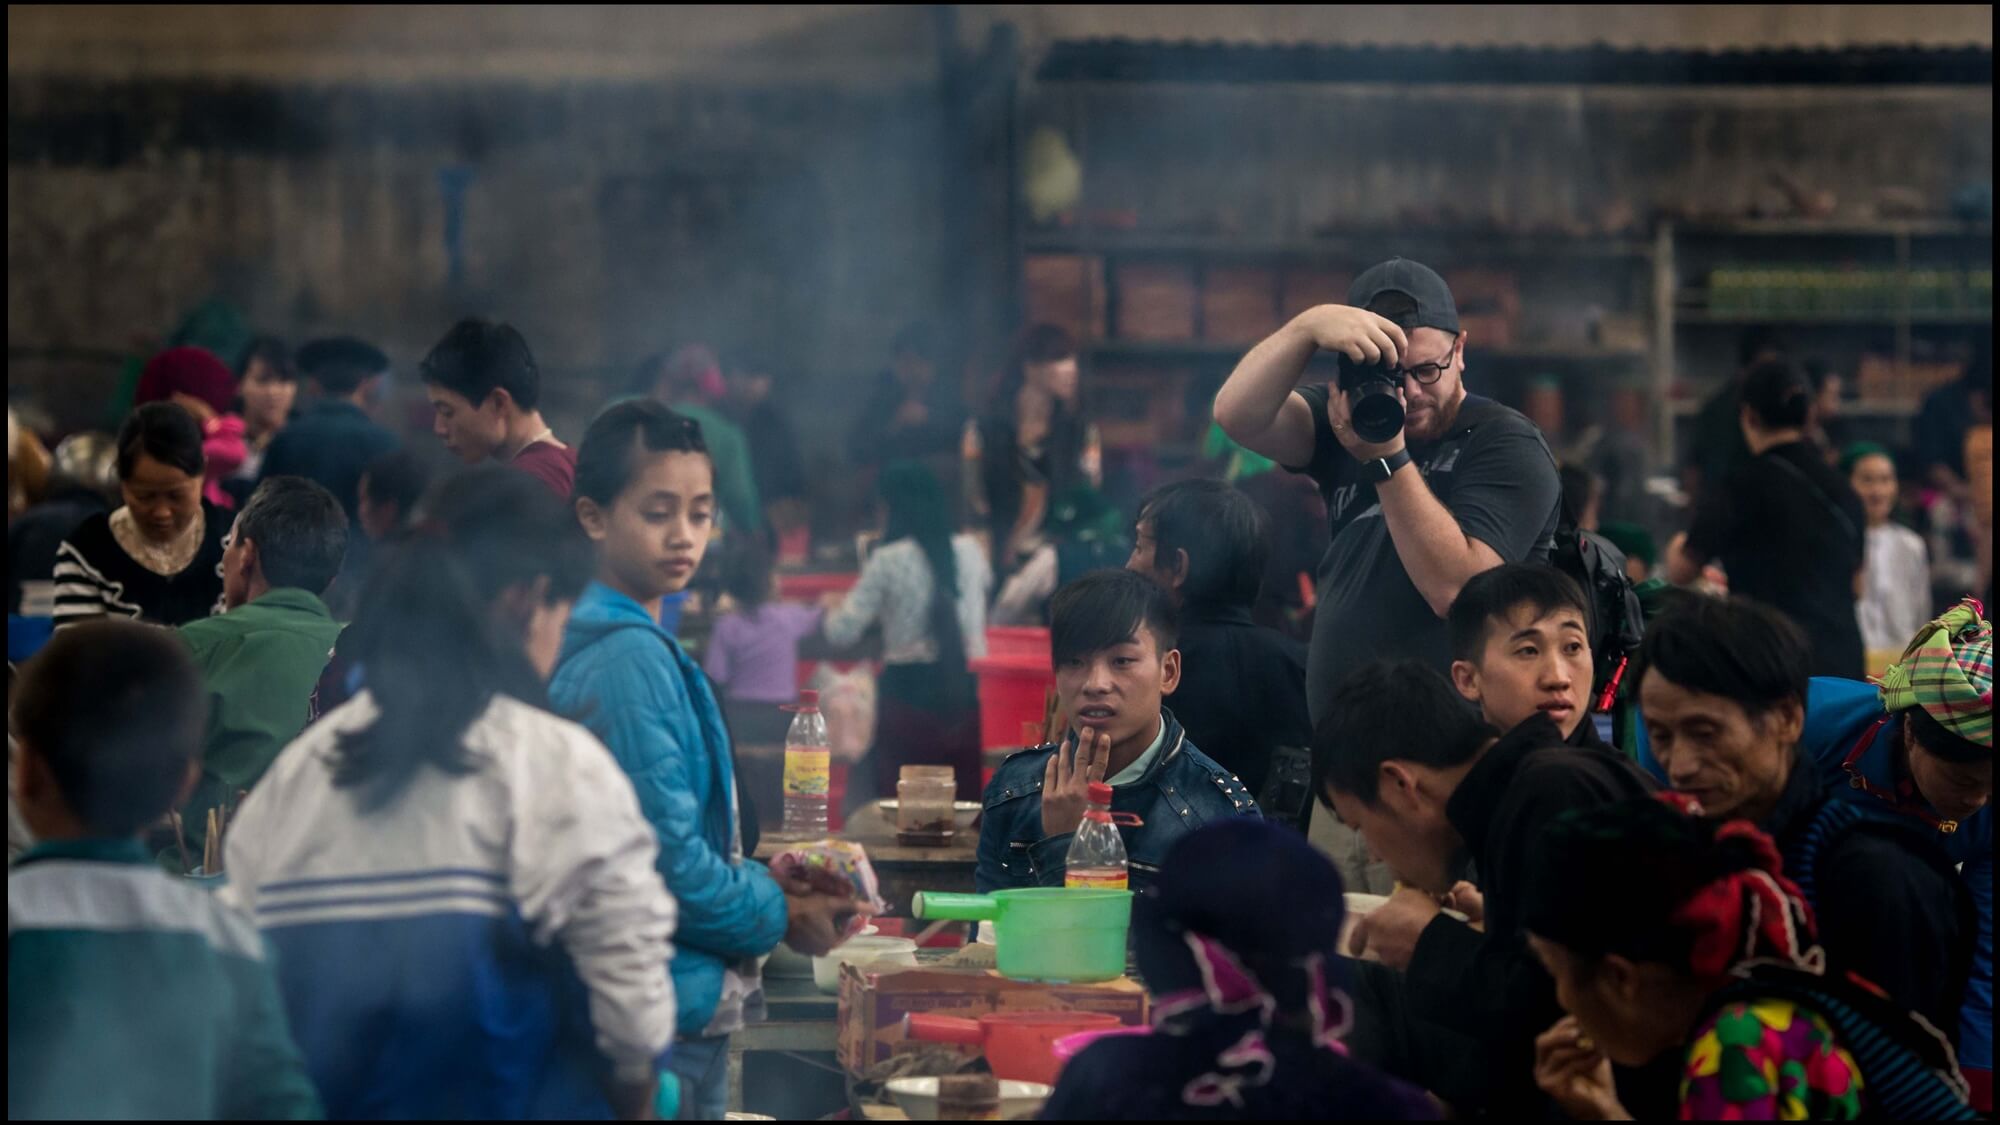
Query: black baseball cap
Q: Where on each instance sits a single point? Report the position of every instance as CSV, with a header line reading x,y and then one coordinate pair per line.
x,y
1420,283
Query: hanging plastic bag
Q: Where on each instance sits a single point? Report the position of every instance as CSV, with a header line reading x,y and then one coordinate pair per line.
x,y
847,699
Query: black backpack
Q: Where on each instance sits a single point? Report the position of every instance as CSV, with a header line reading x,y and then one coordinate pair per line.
x,y
1617,622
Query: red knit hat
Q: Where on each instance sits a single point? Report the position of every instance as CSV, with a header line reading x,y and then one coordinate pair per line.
x,y
189,371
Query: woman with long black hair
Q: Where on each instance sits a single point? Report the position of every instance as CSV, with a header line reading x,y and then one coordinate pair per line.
x,y
928,590
1787,528
1032,444
460,885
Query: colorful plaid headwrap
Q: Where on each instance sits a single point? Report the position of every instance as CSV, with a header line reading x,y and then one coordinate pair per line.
x,y
1948,671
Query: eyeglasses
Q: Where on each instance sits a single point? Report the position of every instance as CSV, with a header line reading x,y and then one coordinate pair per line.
x,y
1427,373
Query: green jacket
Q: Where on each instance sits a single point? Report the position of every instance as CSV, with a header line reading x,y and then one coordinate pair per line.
x,y
134,994
261,663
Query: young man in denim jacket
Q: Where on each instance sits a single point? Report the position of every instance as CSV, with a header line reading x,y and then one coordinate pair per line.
x,y
1113,644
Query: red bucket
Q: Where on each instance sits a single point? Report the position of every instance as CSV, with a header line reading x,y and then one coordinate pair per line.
x,y
1015,677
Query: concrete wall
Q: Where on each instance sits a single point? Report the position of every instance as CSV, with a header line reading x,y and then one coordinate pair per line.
x,y
1658,26
774,175
860,43
608,213
1282,159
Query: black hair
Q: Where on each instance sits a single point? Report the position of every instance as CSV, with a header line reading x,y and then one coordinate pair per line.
x,y
1578,485
300,530
275,354
164,431
1106,608
1392,710
1779,394
1038,343
1646,864
1044,343
747,577
609,456
1757,341
118,712
1490,596
397,477
426,633
1943,743
1225,534
1729,647
918,512
341,364
478,357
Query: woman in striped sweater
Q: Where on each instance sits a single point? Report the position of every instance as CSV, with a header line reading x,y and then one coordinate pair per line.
x,y
158,557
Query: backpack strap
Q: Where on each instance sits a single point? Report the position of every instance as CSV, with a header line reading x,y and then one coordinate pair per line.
x,y
1834,819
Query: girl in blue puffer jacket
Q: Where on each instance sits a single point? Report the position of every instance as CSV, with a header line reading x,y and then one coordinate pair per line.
x,y
645,494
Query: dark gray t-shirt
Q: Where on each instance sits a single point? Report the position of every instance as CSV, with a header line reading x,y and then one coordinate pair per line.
x,y
1493,471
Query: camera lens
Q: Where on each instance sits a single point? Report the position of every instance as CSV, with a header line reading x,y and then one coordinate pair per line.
x,y
1372,401
1377,413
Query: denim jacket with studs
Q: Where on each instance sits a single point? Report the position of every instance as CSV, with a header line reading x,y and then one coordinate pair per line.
x,y
1182,790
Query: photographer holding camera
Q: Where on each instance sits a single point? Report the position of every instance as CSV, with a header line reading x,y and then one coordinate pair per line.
x,y
1425,485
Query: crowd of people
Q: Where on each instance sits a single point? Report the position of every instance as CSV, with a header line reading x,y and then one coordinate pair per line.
x,y
335,790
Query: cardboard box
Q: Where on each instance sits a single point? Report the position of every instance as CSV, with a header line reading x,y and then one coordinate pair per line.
x,y
1155,301
872,1005
1067,290
1303,287
1239,304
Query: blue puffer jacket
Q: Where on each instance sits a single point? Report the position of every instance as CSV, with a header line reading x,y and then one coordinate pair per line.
x,y
628,680
1183,790
1839,714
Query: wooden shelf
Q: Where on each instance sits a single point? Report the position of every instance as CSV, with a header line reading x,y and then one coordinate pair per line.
x,y
1884,319
1858,408
1811,228
1347,246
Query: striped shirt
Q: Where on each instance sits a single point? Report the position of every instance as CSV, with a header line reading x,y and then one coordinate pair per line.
x,y
132,994
95,577
480,947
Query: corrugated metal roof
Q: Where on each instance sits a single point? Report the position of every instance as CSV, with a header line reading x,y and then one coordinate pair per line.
x,y
1135,60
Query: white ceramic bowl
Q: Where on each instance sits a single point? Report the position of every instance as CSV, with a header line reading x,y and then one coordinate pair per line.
x,y
872,951
919,1098
787,963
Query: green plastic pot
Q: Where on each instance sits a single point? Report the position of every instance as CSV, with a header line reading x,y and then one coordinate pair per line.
x,y
1058,935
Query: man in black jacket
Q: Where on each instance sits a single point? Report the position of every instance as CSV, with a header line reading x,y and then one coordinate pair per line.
x,y
1432,789
1722,684
1242,696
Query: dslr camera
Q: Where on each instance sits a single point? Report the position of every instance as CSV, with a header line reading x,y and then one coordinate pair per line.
x,y
1371,398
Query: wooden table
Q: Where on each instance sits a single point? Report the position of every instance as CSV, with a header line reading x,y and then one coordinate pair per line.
x,y
901,869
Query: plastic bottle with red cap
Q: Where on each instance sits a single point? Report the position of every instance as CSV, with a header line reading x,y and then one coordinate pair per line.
x,y
1097,852
808,769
